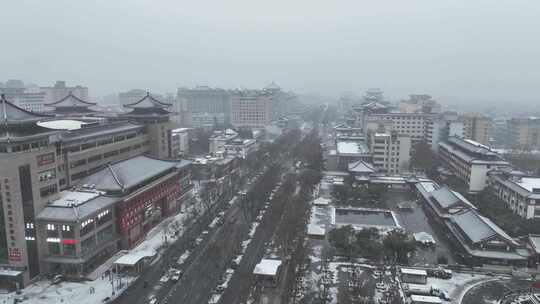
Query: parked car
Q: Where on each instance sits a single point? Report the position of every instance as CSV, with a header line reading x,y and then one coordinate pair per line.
x,y
175,274
57,279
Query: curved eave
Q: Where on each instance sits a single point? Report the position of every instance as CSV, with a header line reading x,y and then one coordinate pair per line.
x,y
156,103
70,95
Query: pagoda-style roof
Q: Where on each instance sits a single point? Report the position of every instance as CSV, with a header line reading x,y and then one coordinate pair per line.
x,y
71,101
148,108
148,102
11,114
71,104
272,86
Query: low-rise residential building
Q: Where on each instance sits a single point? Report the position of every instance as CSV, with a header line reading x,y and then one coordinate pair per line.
x,y
520,192
470,161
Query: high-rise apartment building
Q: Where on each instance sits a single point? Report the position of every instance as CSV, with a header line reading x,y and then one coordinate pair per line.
x,y
202,106
251,109
477,127
441,127
391,151
524,133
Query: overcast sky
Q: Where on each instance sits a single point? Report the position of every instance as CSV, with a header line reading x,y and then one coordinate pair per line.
x,y
467,49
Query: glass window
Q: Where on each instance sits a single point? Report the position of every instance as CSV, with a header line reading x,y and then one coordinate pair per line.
x,y
69,249
54,248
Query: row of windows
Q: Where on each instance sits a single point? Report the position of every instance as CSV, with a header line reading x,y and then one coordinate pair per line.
x,y
95,158
24,147
102,142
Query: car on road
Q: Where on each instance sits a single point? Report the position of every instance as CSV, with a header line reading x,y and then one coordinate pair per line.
x,y
175,274
198,241
153,300
57,279
220,289
205,232
164,279
106,300
259,218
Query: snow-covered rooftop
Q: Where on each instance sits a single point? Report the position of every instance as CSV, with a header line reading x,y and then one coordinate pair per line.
x,y
351,147
62,124
425,299
9,273
132,258
529,183
267,267
321,201
424,238
428,186
413,271
316,230
71,198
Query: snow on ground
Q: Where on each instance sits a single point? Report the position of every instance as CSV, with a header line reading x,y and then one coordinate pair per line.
x,y
43,292
456,284
253,229
182,259
164,233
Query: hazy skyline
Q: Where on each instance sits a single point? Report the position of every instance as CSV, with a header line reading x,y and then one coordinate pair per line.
x,y
468,50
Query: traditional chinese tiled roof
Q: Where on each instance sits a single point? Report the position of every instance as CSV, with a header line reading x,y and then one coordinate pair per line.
x,y
11,114
71,101
148,101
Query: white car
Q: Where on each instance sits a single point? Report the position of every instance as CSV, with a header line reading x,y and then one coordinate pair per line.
x,y
153,300
164,279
